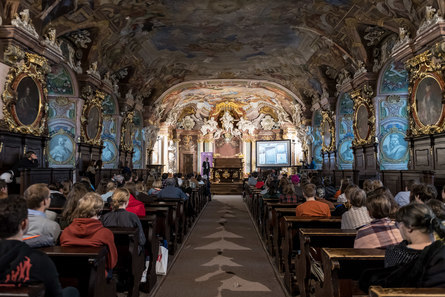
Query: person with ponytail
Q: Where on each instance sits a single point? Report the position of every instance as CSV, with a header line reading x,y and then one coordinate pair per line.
x,y
119,217
419,260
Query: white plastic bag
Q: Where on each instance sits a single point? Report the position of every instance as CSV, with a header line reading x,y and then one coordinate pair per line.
x,y
162,261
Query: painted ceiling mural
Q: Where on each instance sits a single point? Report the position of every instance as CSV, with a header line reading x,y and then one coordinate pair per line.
x,y
151,46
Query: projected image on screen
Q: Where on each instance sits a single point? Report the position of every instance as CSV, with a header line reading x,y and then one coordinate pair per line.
x,y
273,153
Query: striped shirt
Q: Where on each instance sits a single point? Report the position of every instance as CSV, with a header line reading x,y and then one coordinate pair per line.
x,y
400,254
380,233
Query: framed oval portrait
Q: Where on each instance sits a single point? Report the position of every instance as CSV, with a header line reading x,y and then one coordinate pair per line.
x,y
394,147
93,122
61,149
345,151
109,152
27,107
428,95
362,121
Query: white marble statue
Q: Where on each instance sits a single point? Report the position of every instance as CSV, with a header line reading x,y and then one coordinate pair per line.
x,y
209,126
245,125
24,22
227,121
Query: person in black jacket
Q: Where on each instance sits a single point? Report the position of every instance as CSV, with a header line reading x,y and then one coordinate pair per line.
x,y
206,167
19,263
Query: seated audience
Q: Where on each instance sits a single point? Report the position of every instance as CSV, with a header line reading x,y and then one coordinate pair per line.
x,y
170,191
367,186
135,206
320,196
19,263
199,179
312,207
357,216
41,230
343,184
87,230
340,209
57,197
420,194
288,195
418,261
156,187
382,231
442,194
119,217
111,186
272,190
260,183
252,179
402,197
179,179
73,197
67,185
141,193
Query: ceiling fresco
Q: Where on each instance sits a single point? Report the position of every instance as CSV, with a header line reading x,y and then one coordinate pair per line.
x,y
301,45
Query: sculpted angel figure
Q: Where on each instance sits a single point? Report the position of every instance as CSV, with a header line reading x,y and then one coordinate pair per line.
x,y
227,121
209,125
244,124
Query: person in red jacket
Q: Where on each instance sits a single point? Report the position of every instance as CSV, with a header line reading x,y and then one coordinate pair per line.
x,y
135,206
87,230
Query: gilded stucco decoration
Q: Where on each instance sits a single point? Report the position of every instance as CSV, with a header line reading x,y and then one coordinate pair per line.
x,y
92,116
328,131
427,89
127,132
364,116
24,99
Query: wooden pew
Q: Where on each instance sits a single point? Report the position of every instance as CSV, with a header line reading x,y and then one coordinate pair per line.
x,y
263,215
150,226
291,226
279,230
311,242
130,264
377,291
28,291
271,222
174,217
342,268
83,268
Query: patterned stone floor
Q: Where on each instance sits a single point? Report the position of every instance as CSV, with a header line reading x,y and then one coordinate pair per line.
x,y
223,257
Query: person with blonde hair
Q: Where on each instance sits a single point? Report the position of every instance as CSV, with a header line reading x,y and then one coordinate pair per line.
x,y
87,230
119,217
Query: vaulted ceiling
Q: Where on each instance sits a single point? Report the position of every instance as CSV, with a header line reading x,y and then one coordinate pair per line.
x,y
150,46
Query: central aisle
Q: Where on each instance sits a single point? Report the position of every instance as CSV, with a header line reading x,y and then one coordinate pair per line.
x,y
223,257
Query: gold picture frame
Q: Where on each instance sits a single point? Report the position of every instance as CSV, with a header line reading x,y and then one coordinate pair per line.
x,y
93,102
25,105
427,66
328,128
364,116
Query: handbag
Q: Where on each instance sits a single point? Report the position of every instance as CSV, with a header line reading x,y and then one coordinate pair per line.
x,y
162,261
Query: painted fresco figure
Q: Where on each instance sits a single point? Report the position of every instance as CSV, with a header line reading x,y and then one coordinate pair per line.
x,y
429,101
394,149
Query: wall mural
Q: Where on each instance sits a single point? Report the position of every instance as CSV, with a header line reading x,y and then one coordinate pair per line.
x,y
393,124
317,144
394,79
109,133
137,141
62,129
345,132
59,81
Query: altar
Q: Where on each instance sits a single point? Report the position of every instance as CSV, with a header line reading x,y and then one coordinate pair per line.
x,y
227,170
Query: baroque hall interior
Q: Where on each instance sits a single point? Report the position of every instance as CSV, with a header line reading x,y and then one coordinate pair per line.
x,y
355,86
